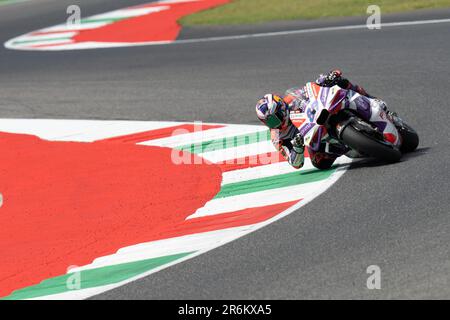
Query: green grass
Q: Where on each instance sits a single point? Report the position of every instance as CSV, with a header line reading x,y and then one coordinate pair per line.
x,y
9,1
259,11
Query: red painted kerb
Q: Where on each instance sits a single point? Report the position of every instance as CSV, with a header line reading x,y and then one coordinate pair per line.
x,y
158,26
67,203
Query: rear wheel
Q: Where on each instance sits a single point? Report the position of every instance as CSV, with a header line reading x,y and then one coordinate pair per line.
x,y
369,146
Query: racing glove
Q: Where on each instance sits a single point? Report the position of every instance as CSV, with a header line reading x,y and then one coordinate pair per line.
x,y
298,144
335,77
331,78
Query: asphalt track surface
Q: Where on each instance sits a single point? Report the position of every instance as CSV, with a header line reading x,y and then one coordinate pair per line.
x,y
394,216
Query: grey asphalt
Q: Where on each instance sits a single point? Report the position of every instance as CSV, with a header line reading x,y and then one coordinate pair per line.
x,y
394,216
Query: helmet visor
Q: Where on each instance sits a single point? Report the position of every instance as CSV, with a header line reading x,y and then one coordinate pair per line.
x,y
273,122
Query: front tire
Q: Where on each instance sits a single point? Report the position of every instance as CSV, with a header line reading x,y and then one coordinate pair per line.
x,y
410,138
369,146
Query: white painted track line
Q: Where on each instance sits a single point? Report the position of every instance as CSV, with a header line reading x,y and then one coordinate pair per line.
x,y
312,30
99,45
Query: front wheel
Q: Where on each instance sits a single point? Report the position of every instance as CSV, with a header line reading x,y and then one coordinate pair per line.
x,y
368,146
410,138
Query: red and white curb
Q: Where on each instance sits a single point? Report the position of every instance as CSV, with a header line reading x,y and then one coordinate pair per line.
x,y
253,193
152,23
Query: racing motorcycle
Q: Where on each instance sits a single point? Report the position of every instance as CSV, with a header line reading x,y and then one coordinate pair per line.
x,y
346,123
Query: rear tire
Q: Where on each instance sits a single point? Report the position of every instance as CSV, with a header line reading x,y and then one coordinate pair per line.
x,y
369,146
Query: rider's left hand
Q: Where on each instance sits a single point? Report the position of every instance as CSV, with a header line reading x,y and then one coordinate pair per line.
x,y
298,143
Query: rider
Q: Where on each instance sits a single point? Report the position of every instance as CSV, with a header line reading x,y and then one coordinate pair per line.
x,y
273,111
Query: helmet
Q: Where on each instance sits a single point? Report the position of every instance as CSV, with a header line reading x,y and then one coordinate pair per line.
x,y
272,111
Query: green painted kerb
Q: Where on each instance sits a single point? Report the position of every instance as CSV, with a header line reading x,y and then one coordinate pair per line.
x,y
41,40
274,182
106,20
94,277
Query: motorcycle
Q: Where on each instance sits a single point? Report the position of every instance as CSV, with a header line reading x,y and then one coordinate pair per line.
x,y
346,123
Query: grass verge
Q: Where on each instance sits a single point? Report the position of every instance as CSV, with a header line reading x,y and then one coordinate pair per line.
x,y
10,1
259,11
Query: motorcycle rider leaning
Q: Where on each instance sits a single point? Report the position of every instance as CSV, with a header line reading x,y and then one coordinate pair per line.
x,y
273,110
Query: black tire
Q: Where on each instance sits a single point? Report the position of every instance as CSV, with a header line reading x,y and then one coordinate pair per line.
x,y
369,146
410,139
